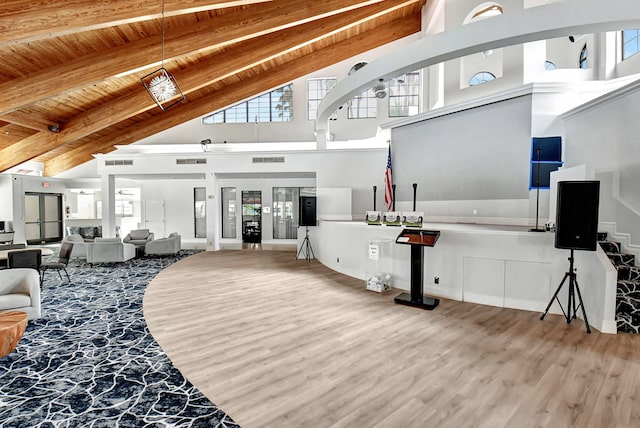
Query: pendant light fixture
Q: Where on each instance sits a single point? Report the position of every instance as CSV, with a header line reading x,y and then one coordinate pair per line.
x,y
161,84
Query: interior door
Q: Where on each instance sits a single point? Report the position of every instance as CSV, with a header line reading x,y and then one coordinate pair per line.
x,y
154,218
43,217
252,216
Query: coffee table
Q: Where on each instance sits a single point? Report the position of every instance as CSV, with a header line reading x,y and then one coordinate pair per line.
x,y
12,327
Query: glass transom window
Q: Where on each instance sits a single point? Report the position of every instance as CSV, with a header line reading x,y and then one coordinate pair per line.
x,y
274,106
480,78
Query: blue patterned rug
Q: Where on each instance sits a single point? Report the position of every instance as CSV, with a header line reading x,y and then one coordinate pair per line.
x,y
90,361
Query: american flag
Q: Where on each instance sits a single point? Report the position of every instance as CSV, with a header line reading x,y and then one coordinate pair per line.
x,y
388,182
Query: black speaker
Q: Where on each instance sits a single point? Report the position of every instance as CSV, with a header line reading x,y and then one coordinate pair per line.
x,y
307,211
577,215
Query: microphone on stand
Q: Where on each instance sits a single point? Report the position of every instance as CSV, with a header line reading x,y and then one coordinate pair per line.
x,y
374,197
393,203
536,229
415,188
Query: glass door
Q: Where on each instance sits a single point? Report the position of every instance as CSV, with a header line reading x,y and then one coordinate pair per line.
x,y
228,212
200,212
42,217
286,201
252,216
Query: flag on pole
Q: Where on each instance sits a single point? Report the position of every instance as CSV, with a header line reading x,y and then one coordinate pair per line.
x,y
388,182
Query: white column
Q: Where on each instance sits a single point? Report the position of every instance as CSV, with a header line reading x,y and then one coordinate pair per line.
x,y
109,206
322,136
213,213
17,222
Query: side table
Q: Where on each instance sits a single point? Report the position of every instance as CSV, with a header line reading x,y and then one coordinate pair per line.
x,y
12,327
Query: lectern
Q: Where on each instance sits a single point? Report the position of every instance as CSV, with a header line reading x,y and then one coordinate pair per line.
x,y
418,239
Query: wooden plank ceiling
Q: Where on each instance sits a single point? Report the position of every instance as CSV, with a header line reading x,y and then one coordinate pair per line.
x,y
76,65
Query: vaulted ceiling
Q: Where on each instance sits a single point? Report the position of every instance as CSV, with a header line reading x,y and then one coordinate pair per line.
x,y
77,64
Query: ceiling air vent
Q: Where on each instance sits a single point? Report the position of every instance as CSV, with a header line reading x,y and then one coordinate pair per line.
x,y
191,161
276,159
118,162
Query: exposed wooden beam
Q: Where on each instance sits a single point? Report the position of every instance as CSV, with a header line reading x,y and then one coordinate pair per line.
x,y
207,72
27,19
207,35
30,120
11,134
206,101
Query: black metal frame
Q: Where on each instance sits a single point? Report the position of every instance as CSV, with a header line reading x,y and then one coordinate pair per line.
x,y
570,314
306,245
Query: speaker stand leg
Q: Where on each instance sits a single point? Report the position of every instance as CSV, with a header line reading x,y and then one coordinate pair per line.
x,y
306,246
572,309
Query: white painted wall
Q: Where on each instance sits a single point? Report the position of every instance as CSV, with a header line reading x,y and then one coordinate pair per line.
x,y
514,269
606,136
177,196
22,184
479,155
265,186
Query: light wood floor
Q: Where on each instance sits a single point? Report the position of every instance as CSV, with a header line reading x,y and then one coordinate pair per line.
x,y
278,342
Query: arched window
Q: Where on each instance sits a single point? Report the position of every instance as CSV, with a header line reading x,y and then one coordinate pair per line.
x,y
357,67
481,77
483,11
548,65
488,11
582,63
630,43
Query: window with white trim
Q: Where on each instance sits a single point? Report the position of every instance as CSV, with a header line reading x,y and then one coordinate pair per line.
x,y
363,106
404,95
481,77
274,106
316,91
630,43
582,62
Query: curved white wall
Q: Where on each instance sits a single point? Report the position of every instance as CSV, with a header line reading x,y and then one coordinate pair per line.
x,y
506,268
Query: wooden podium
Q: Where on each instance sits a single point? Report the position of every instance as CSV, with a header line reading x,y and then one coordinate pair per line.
x,y
418,239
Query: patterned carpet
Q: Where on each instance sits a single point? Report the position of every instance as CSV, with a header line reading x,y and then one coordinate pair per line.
x,y
90,361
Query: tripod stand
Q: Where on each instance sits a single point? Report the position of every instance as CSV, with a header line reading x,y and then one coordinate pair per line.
x,y
570,315
306,246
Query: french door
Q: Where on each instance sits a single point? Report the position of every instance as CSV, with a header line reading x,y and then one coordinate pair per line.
x,y
43,217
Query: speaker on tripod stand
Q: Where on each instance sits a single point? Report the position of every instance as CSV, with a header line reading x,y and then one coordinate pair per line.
x,y
576,229
307,218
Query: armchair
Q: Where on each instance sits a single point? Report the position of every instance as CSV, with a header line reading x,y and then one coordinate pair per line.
x,y
79,250
138,237
109,250
168,245
20,291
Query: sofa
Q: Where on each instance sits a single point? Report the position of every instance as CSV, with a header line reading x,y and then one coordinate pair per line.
x,y
79,250
138,237
109,250
163,246
20,291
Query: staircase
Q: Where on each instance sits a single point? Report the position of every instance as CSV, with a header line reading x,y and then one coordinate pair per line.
x,y
628,288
